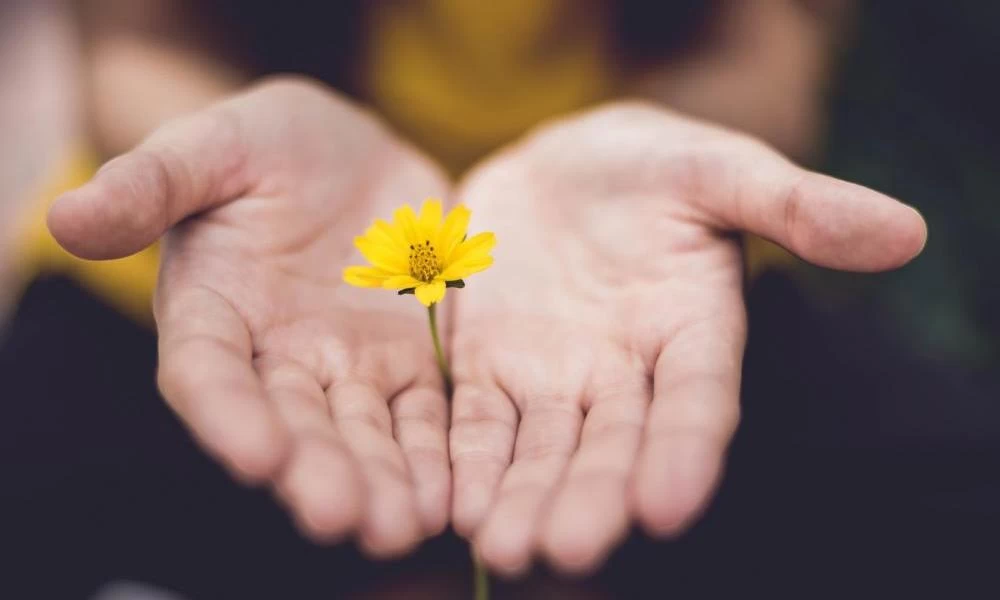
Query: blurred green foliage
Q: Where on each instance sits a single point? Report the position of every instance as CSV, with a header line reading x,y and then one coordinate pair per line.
x,y
916,114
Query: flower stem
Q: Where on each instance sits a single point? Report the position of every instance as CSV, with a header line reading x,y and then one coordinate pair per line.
x,y
482,580
438,350
481,577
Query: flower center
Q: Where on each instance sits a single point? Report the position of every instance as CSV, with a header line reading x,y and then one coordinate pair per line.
x,y
424,263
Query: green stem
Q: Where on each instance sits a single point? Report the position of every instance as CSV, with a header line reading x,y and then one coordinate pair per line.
x,y
481,577
482,580
438,350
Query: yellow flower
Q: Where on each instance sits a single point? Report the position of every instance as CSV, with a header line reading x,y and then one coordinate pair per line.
x,y
422,254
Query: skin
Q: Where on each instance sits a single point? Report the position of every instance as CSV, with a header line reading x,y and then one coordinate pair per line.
x,y
596,364
329,394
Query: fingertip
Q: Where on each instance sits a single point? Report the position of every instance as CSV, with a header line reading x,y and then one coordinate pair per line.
x,y
391,527
657,517
256,452
469,507
857,228
571,552
390,534
579,536
324,492
574,563
433,501
247,438
327,522
671,490
507,540
388,547
56,218
70,223
120,211
897,237
505,555
913,238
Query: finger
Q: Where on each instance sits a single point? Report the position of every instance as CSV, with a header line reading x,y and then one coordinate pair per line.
x,y
590,512
391,524
187,166
420,423
206,376
321,483
483,424
824,220
546,438
694,413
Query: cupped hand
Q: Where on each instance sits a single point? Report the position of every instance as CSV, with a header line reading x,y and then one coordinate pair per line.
x,y
283,372
597,364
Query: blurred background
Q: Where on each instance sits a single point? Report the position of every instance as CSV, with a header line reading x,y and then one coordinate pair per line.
x,y
868,461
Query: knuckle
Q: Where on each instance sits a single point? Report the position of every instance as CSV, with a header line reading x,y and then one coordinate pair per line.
x,y
366,418
155,177
792,209
541,450
428,455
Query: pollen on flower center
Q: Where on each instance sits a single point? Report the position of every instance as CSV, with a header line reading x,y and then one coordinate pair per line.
x,y
424,263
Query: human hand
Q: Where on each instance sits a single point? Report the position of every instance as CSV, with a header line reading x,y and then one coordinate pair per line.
x,y
597,364
284,373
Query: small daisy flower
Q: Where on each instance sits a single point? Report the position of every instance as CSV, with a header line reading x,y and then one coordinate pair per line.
x,y
421,254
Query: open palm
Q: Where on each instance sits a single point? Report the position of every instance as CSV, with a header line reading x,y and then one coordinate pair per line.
x,y
282,371
597,365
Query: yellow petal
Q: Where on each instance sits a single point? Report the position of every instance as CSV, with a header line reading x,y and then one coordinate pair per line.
x,y
429,293
387,235
464,268
406,220
430,220
478,246
364,276
401,282
453,230
388,258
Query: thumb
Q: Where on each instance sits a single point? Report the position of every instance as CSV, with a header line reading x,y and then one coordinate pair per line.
x,y
826,221
187,166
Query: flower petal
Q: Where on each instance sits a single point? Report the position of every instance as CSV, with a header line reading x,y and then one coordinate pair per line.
x,y
364,276
429,293
406,220
453,230
464,268
401,282
388,258
478,246
430,220
387,234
